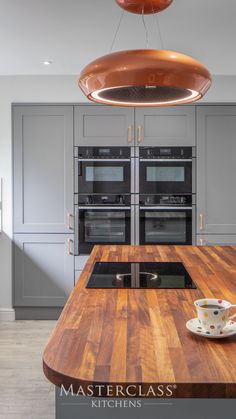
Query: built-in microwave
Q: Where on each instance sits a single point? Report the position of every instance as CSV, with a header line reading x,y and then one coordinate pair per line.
x,y
103,170
166,170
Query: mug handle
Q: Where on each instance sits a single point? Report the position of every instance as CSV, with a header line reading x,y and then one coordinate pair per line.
x,y
234,315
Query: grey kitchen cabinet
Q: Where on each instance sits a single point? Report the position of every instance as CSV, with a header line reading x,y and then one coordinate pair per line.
x,y
97,125
165,126
216,170
216,239
43,269
43,168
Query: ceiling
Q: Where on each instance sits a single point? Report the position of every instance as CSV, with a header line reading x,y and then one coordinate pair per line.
x,y
71,33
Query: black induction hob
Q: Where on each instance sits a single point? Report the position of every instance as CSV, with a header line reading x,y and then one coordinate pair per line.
x,y
169,275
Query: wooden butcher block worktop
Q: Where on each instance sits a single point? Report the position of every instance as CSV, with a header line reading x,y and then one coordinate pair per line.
x,y
112,336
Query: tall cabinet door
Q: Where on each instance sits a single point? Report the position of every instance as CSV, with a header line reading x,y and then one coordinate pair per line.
x,y
43,269
216,169
97,125
170,126
43,169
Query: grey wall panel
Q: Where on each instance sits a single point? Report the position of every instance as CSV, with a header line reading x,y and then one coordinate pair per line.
x,y
43,269
170,126
43,168
216,169
104,126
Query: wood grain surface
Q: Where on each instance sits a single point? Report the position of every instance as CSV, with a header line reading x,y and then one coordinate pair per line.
x,y
133,336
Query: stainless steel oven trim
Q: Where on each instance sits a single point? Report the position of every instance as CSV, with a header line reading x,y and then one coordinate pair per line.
x,y
194,225
132,151
103,160
103,208
194,176
166,160
76,176
136,220
137,176
159,207
132,168
132,225
76,244
76,151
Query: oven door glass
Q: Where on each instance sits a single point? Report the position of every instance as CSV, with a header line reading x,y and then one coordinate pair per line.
x,y
104,177
103,226
165,177
159,226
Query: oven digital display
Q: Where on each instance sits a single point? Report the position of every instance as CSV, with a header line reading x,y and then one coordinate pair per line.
x,y
165,152
104,151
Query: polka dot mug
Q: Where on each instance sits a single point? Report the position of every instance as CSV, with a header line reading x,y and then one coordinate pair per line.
x,y
213,314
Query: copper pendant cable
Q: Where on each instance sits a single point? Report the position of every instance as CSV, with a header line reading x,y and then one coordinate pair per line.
x,y
157,24
117,30
155,21
146,30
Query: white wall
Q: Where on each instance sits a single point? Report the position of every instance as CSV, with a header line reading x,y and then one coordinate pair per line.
x,y
56,89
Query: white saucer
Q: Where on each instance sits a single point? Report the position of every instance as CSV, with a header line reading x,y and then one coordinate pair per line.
x,y
194,326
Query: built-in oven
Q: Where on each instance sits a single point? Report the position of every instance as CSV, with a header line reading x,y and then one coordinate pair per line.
x,y
102,219
166,219
166,170
103,170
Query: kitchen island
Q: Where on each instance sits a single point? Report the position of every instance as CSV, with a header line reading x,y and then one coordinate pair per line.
x,y
139,337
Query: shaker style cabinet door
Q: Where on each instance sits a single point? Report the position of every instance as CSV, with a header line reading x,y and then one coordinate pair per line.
x,y
43,269
43,169
216,170
97,125
165,126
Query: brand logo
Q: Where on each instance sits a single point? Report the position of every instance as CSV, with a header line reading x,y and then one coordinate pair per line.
x,y
118,390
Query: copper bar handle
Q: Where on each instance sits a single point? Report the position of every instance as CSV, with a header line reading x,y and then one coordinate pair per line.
x,y
129,133
69,218
70,252
139,136
201,221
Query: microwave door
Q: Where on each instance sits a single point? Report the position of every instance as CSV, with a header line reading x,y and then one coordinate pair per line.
x,y
166,177
98,177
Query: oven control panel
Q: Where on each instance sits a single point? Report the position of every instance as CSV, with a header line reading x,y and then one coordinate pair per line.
x,y
103,152
166,152
166,200
101,199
